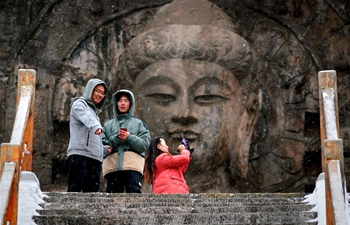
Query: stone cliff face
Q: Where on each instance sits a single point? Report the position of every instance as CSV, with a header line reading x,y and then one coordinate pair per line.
x,y
68,42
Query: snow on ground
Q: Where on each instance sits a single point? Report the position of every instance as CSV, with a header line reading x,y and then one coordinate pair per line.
x,y
30,196
318,199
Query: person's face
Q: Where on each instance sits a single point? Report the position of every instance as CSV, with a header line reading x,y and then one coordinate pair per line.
x,y
202,100
162,146
123,104
98,94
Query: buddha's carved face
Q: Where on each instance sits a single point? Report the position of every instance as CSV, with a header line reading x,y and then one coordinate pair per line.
x,y
200,99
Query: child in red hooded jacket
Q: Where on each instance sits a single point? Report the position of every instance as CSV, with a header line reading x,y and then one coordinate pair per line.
x,y
165,171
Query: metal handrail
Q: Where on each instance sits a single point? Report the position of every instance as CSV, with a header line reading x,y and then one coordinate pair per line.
x,y
332,149
16,156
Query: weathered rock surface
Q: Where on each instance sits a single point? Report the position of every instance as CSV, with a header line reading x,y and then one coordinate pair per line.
x,y
68,42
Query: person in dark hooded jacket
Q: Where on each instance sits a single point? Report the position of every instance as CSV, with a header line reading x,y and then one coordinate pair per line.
x,y
85,149
128,138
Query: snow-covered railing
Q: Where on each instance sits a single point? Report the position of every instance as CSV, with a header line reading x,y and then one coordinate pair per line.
x,y
332,150
16,156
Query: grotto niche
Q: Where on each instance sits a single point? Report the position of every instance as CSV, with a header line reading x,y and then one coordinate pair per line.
x,y
239,79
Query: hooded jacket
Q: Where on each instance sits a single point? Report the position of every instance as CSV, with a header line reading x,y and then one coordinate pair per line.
x,y
84,122
168,176
128,155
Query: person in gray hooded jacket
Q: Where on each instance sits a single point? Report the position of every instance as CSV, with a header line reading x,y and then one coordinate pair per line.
x,y
85,149
128,138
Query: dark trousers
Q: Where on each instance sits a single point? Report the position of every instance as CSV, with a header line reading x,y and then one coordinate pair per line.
x,y
84,174
126,180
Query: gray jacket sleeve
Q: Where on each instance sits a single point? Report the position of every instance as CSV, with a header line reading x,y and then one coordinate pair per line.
x,y
84,113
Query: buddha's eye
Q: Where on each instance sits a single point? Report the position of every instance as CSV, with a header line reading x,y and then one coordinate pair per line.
x,y
162,99
209,99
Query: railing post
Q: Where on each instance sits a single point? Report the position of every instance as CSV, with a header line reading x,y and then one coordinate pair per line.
x,y
11,153
338,203
27,77
6,185
20,149
331,145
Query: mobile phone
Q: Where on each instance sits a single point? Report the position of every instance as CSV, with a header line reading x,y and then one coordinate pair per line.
x,y
123,128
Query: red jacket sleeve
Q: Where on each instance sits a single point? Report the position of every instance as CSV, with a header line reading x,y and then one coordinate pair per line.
x,y
174,161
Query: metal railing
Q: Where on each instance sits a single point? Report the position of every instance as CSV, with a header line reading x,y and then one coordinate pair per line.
x,y
332,150
16,156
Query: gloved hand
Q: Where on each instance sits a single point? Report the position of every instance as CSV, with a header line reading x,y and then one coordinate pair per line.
x,y
191,150
185,143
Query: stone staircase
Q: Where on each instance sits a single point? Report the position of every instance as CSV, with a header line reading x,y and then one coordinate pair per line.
x,y
103,208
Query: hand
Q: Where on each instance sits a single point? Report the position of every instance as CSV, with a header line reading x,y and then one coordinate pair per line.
x,y
109,150
123,135
98,131
191,150
185,142
187,145
181,147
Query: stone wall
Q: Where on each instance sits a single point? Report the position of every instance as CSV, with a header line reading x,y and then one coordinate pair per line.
x,y
68,42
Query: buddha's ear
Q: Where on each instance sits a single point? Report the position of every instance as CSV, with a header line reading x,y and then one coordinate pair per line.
x,y
240,156
253,108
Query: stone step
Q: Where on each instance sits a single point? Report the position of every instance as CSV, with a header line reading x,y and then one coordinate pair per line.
x,y
192,196
160,198
155,203
158,203
179,219
117,210
103,208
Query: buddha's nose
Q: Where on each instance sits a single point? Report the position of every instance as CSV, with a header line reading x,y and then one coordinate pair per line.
x,y
185,112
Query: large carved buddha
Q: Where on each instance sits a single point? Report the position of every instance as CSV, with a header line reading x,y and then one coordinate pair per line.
x,y
192,75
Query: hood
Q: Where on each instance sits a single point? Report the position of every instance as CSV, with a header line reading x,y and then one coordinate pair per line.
x,y
116,97
89,88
